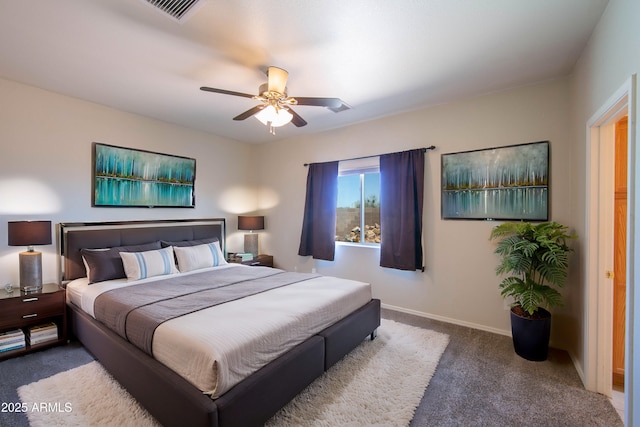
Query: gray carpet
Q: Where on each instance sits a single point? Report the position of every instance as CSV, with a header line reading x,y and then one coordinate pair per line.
x,y
480,381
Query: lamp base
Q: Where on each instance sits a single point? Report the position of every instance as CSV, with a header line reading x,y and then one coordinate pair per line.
x,y
251,244
30,271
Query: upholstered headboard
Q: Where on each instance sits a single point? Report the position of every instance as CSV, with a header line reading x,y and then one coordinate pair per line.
x,y
95,235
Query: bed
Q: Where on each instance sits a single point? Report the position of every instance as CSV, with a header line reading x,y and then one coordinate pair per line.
x,y
235,395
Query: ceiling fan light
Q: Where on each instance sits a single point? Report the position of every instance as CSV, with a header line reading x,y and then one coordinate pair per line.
x,y
284,117
277,79
267,114
270,117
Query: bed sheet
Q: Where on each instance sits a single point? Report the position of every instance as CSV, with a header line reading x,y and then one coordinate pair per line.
x,y
217,347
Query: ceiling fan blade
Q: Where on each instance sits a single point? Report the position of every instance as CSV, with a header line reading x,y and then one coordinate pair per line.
x,y
226,92
277,79
334,104
249,112
296,120
342,107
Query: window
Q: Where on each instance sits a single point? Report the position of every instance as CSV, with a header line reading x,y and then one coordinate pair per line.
x,y
400,189
358,206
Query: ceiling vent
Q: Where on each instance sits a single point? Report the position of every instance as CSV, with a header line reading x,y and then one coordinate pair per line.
x,y
177,9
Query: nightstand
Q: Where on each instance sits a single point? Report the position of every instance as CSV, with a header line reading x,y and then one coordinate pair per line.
x,y
260,260
28,310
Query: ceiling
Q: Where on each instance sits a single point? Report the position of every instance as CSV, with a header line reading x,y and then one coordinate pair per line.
x,y
382,57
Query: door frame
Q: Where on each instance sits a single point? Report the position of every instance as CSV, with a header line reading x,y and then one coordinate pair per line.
x,y
599,245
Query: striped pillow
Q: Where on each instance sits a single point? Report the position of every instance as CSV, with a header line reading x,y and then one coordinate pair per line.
x,y
199,256
140,265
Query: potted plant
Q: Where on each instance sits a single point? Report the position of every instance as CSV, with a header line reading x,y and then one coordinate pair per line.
x,y
535,258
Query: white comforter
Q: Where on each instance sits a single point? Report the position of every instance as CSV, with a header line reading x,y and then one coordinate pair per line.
x,y
217,347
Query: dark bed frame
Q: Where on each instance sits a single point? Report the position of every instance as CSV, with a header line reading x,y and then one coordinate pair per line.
x,y
171,399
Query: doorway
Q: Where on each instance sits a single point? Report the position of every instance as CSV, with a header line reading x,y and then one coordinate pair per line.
x,y
600,239
619,275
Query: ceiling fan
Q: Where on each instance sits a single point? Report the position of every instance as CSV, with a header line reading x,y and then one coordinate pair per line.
x,y
275,109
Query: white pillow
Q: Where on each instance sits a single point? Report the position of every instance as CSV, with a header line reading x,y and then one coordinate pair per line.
x,y
140,265
199,256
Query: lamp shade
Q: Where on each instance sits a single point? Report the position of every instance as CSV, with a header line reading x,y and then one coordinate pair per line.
x,y
29,233
251,223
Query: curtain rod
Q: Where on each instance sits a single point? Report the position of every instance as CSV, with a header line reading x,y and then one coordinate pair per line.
x,y
424,149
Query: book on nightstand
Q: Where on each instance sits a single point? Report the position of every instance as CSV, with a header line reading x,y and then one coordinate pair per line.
x,y
244,256
12,340
43,333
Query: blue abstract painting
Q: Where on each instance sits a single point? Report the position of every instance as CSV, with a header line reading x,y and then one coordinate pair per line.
x,y
504,183
138,178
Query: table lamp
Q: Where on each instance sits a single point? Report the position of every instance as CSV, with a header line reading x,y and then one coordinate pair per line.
x,y
30,233
251,223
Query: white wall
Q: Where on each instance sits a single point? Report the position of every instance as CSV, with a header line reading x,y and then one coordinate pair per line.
x,y
608,61
459,283
45,167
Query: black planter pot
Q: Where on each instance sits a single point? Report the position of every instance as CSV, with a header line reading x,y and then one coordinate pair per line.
x,y
531,336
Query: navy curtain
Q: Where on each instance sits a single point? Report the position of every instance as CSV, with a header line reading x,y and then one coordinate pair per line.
x,y
319,221
401,195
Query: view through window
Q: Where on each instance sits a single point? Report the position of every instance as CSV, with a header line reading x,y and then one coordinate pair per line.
x,y
358,211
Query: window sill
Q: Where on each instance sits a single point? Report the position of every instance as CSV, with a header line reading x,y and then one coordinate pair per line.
x,y
359,245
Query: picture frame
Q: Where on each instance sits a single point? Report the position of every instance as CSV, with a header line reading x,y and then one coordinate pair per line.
x,y
501,183
127,177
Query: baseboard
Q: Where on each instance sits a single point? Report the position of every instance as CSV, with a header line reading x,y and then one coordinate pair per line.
x,y
447,320
578,368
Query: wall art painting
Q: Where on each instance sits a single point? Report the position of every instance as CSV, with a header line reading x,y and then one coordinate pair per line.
x,y
503,183
124,177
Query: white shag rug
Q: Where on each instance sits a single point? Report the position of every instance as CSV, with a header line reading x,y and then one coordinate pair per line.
x,y
380,383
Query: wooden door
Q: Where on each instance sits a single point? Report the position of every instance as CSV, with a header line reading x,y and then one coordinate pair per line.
x,y
620,251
